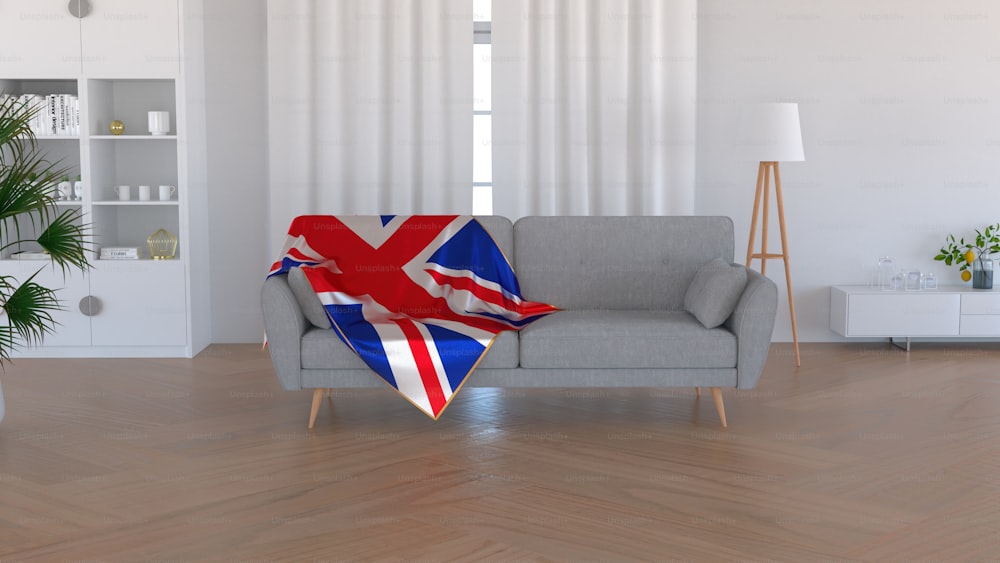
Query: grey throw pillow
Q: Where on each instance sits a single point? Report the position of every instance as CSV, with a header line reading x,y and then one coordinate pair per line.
x,y
309,302
714,292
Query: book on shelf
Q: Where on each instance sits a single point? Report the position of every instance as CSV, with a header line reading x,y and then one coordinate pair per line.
x,y
30,255
120,253
57,114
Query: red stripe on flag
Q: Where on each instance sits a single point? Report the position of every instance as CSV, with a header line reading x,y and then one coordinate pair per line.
x,y
298,255
425,367
470,285
525,308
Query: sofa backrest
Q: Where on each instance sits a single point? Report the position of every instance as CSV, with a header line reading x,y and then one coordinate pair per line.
x,y
616,262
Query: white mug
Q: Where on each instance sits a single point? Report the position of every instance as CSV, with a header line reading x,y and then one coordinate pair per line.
x,y
166,192
159,122
65,190
124,192
143,193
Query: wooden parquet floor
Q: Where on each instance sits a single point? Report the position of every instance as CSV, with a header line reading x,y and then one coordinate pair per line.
x,y
866,453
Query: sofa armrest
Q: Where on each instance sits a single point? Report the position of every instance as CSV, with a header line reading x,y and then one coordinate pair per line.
x,y
284,324
753,322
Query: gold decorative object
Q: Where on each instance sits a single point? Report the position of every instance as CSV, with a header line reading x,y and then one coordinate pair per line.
x,y
117,127
162,245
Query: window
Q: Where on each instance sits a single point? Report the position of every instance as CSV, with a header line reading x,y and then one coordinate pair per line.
x,y
482,106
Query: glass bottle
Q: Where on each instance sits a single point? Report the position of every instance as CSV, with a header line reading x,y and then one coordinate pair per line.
x,y
886,270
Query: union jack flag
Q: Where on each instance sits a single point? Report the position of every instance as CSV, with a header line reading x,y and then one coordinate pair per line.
x,y
419,298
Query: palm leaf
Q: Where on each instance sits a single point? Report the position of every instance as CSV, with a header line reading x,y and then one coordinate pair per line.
x,y
64,240
28,310
15,120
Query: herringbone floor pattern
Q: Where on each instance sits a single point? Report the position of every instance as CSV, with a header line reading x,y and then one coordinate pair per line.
x,y
865,453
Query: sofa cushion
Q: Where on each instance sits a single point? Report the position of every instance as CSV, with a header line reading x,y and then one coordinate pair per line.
x,y
625,339
323,349
503,352
616,262
308,301
714,292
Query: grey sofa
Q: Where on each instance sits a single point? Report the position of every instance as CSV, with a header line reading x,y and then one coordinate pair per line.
x,y
621,283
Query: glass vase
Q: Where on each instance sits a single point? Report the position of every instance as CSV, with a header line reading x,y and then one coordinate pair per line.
x,y
982,274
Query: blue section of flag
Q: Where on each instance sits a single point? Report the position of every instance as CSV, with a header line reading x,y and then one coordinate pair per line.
x,y
287,263
473,249
363,338
513,322
458,353
386,219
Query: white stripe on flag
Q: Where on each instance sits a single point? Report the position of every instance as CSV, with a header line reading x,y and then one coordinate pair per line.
x,y
442,375
302,245
370,228
404,367
482,282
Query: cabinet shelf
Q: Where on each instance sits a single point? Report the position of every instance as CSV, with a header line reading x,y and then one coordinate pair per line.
x,y
16,260
134,203
134,137
144,260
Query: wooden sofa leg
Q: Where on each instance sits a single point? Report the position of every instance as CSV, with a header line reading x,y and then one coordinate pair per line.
x,y
719,405
317,401
697,391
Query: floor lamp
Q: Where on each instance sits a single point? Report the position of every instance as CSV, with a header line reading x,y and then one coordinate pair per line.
x,y
771,134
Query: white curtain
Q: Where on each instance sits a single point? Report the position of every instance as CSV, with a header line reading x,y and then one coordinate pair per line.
x,y
370,107
594,106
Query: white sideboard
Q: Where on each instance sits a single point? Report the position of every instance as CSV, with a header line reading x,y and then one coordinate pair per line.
x,y
947,312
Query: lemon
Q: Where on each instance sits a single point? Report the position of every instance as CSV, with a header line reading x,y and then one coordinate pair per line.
x,y
966,275
970,256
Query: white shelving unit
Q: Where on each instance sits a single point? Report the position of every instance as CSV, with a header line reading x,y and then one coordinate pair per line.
x,y
947,312
125,60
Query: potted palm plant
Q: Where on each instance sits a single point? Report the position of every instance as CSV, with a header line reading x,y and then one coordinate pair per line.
x,y
30,218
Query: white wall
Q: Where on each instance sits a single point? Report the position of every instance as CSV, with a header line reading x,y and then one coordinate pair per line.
x,y
236,108
900,123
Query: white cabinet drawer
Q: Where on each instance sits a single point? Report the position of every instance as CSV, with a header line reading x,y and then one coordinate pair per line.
x,y
144,303
980,325
903,314
857,311
981,303
72,328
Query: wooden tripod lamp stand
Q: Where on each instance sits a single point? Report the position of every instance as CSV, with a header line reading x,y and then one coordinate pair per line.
x,y
771,133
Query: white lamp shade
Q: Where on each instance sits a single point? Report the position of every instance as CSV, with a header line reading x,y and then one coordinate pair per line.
x,y
771,133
